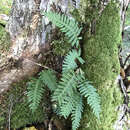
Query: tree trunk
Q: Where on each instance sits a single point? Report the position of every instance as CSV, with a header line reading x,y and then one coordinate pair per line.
x,y
31,36
102,68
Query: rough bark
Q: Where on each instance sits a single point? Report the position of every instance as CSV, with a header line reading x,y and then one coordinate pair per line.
x,y
30,37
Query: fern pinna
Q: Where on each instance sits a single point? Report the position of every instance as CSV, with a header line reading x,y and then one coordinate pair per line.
x,y
73,87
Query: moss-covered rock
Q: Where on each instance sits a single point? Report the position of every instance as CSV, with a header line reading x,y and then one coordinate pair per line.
x,y
102,67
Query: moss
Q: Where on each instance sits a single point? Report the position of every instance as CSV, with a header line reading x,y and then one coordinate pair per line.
x,y
5,6
110,99
21,115
87,11
4,40
101,49
102,67
60,45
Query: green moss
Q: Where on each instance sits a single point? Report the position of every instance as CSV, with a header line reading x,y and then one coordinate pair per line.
x,y
21,115
87,11
4,40
101,50
110,99
5,6
102,67
61,46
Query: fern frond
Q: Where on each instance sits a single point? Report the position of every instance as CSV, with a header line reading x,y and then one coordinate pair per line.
x,y
77,112
66,25
67,106
35,92
66,87
48,77
70,60
93,98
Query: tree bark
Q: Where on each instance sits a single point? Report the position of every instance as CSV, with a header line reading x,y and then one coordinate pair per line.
x,y
30,35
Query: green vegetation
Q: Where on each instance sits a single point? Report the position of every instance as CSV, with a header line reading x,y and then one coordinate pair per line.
x,y
5,6
102,48
67,26
4,40
60,46
21,115
127,23
68,93
102,67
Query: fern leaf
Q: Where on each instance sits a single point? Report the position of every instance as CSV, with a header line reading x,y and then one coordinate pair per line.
x,y
35,91
66,87
70,60
77,112
66,25
49,79
93,98
67,106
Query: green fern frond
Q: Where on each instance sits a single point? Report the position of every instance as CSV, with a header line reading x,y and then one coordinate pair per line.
x,y
93,98
66,25
66,87
70,60
35,92
67,106
48,78
77,112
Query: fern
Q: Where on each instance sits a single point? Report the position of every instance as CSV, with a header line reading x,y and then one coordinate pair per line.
x,y
65,87
66,25
72,87
49,79
35,92
69,62
77,112
89,92
67,106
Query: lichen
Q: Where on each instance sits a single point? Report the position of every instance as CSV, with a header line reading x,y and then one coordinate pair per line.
x,y
102,67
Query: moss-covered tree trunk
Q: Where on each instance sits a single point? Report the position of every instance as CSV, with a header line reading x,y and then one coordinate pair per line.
x,y
102,67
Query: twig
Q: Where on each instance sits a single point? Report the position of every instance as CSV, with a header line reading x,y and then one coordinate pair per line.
x,y
43,66
38,64
10,110
126,59
126,97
